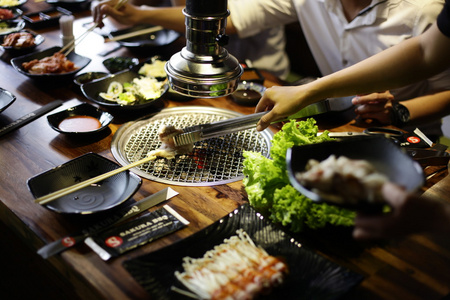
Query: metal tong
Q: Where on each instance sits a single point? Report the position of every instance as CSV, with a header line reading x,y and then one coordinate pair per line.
x,y
201,132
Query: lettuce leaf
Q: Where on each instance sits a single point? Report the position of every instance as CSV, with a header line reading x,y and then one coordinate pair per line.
x,y
269,191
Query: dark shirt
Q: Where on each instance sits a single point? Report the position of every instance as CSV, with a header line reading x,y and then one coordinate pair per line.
x,y
443,20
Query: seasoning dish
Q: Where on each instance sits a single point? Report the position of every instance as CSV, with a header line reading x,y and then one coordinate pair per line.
x,y
10,26
6,99
248,93
88,77
96,198
93,89
45,18
118,63
386,158
22,47
80,63
82,119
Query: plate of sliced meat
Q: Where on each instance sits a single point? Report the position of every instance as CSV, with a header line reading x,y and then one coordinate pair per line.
x,y
50,64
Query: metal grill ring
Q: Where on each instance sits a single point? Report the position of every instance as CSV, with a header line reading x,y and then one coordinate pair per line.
x,y
212,162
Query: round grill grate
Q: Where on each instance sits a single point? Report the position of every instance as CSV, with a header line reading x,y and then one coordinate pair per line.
x,y
212,162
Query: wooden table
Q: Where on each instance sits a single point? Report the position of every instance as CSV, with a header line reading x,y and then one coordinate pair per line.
x,y
417,267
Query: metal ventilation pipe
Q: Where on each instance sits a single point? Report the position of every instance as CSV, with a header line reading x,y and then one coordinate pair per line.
x,y
204,68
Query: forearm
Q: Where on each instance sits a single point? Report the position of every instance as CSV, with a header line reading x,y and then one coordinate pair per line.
x,y
428,108
410,61
167,17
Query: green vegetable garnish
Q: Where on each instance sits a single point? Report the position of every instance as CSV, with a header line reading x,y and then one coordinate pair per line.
x,y
269,190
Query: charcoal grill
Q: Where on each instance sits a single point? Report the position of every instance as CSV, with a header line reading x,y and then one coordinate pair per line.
x,y
212,162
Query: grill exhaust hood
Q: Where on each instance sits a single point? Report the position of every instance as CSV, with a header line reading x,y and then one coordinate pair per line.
x,y
204,68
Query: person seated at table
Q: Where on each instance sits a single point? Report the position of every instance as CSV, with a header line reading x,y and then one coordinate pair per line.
x,y
410,61
339,33
264,50
385,109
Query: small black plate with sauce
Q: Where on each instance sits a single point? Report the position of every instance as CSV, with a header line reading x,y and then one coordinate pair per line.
x,y
248,93
80,119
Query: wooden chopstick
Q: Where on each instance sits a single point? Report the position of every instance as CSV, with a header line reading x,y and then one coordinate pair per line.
x,y
65,191
71,46
134,33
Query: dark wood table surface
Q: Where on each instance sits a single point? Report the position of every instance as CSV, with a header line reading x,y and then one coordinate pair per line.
x,y
416,267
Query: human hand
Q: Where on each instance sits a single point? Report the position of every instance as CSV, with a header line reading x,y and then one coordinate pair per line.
x,y
127,14
282,102
377,106
410,214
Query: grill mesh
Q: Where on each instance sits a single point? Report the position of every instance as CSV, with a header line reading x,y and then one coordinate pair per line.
x,y
212,162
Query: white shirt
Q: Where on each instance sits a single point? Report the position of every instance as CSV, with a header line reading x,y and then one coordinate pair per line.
x,y
336,43
265,50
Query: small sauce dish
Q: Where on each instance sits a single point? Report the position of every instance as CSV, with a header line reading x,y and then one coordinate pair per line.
x,y
248,93
80,119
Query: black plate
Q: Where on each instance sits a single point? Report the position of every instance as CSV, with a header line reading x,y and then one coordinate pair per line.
x,y
311,276
71,4
13,26
93,89
83,109
38,39
80,61
157,39
6,99
96,198
20,3
382,153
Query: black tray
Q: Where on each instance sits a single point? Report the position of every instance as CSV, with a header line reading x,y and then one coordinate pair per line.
x,y
311,276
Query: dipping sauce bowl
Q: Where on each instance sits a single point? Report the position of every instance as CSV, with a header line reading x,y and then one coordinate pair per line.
x,y
248,93
80,119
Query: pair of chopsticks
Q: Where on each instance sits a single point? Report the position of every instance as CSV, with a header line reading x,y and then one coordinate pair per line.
x,y
65,191
71,46
134,33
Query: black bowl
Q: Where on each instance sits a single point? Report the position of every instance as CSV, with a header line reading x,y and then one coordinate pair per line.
x,y
38,39
82,110
12,26
19,3
80,62
118,63
92,90
248,93
92,199
17,12
88,77
386,157
6,99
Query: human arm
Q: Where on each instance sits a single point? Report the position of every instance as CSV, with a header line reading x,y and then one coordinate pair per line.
x,y
129,14
410,61
410,214
422,109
